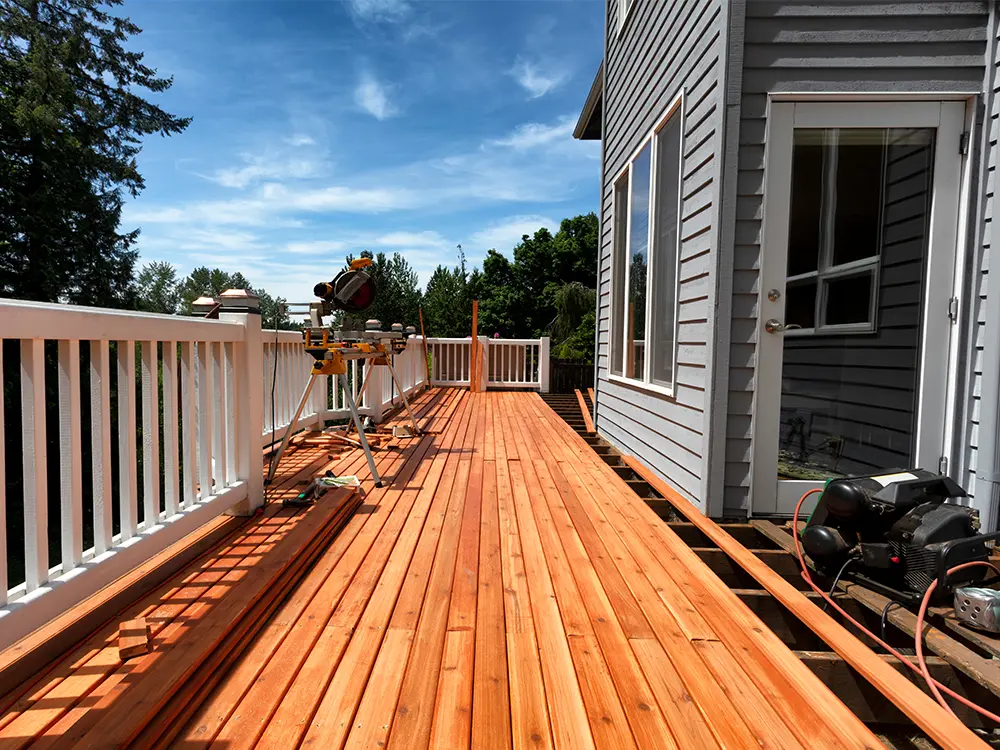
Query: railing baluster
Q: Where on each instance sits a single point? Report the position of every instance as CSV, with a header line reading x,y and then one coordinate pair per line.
x,y
217,404
100,431
227,370
127,469
4,585
224,418
150,435
189,422
204,421
70,455
36,490
171,476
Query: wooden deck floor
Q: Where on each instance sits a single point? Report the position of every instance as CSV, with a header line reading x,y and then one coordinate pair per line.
x,y
504,590
508,590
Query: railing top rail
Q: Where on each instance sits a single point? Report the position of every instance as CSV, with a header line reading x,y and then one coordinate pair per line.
x,y
42,320
466,339
284,337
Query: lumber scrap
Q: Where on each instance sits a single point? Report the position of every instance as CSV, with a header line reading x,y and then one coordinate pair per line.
x,y
27,662
124,710
133,638
939,725
587,421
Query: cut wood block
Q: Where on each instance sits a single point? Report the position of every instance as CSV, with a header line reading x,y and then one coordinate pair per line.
x,y
133,638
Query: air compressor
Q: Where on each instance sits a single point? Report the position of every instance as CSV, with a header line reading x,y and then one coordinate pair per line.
x,y
897,531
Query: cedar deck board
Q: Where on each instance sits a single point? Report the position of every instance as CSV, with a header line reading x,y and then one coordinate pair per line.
x,y
506,588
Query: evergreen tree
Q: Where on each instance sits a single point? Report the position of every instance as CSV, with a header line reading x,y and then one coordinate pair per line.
x,y
157,288
205,282
71,126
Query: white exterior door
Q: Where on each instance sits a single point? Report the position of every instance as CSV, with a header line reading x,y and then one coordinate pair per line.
x,y
857,273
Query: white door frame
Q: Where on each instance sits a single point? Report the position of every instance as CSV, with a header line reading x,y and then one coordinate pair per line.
x,y
948,118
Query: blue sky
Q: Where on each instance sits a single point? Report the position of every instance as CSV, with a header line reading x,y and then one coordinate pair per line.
x,y
326,127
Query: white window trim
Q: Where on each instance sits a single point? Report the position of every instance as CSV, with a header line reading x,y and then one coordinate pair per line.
x,y
676,106
624,13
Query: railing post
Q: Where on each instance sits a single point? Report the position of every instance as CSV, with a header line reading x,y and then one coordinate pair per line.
x,y
543,364
375,392
248,368
483,371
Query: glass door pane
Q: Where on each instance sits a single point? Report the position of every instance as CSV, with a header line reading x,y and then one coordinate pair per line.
x,y
857,252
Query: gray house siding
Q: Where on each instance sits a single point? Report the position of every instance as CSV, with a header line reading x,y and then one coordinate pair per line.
x,y
979,267
662,49
824,47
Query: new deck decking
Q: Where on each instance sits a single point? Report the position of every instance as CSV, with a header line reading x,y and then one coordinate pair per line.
x,y
507,590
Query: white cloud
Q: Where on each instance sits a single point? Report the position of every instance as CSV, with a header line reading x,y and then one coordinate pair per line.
x,y
380,10
534,134
505,234
538,79
315,247
373,97
259,168
299,139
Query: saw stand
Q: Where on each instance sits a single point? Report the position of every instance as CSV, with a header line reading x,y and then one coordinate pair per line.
x,y
332,353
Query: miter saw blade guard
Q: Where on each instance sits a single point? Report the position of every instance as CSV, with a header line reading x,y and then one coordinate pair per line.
x,y
352,290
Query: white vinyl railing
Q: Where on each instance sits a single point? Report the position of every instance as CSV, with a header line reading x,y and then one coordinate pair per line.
x,y
126,431
139,421
507,363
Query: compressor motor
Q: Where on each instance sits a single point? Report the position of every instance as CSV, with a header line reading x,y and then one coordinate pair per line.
x,y
896,532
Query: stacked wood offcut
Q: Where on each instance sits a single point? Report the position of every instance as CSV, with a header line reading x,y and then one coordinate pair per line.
x,y
198,624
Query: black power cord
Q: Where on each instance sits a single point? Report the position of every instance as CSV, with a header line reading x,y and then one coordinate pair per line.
x,y
836,579
885,615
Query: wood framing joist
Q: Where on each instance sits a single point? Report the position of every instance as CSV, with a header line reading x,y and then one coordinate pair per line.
x,y
937,723
982,669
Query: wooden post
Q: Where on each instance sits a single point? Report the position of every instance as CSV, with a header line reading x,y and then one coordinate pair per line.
x,y
473,348
423,333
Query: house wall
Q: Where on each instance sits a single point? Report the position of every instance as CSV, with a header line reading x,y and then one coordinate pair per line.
x,y
823,47
979,267
663,48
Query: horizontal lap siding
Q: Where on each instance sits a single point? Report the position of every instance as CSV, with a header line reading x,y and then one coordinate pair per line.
x,y
980,277
665,47
839,47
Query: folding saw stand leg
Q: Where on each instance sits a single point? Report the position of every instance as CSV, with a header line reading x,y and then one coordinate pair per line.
x,y
349,397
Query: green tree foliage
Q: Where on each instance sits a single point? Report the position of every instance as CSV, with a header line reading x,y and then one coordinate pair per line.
x,y
205,282
398,290
71,125
447,304
157,288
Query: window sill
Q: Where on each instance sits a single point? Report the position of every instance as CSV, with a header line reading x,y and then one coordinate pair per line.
x,y
850,329
639,385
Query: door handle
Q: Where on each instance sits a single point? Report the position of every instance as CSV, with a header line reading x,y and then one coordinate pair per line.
x,y
775,326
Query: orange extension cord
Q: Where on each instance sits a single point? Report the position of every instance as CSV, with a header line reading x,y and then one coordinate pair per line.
x,y
921,666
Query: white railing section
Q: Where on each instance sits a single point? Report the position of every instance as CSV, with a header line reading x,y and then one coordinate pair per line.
x,y
127,431
507,363
151,415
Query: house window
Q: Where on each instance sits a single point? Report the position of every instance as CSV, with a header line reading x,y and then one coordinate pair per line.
x,y
645,257
835,230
